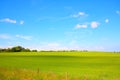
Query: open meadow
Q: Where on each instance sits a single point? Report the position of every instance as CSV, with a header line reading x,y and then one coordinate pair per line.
x,y
60,66
59,39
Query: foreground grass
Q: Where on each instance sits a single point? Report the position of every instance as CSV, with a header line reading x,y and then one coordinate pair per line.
x,y
84,65
23,74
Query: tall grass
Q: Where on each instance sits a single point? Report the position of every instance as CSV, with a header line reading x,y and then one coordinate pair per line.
x,y
24,74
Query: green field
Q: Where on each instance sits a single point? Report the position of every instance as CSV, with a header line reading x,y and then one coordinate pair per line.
x,y
93,65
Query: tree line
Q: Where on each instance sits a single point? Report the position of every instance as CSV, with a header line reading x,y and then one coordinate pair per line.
x,y
16,49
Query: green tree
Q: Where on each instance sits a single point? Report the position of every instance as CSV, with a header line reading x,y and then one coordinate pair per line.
x,y
34,50
26,50
17,49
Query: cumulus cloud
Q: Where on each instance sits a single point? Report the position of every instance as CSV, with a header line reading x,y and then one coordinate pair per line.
x,y
118,12
8,20
80,26
24,37
94,24
79,14
21,22
5,36
106,20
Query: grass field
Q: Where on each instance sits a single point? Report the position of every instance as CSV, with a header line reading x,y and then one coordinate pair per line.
x,y
85,65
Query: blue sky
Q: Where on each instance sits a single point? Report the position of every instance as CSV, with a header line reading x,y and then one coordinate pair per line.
x,y
60,24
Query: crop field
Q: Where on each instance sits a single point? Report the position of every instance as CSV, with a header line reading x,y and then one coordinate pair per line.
x,y
64,65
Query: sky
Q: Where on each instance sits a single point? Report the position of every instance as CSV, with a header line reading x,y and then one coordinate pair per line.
x,y
60,24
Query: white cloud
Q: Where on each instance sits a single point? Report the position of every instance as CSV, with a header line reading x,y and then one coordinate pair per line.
x,y
53,44
58,46
24,37
99,48
118,12
79,14
8,20
107,20
50,46
94,24
21,22
5,36
80,26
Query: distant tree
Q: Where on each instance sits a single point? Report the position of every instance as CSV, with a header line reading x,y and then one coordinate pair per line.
x,y
26,50
17,49
0,50
3,50
8,50
34,50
